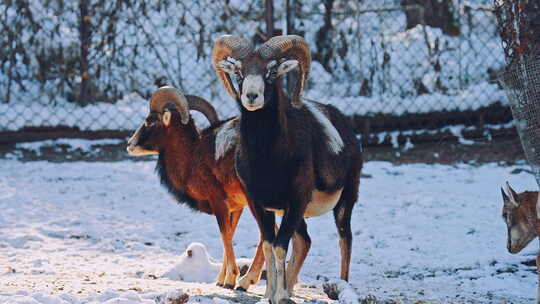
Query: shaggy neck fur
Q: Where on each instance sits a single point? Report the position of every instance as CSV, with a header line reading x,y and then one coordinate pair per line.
x,y
263,134
173,166
261,128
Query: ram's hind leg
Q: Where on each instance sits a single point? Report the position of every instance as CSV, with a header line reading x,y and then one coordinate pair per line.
x,y
342,216
232,270
224,220
300,249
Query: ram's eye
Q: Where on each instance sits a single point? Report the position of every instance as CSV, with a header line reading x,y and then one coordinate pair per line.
x,y
270,76
151,120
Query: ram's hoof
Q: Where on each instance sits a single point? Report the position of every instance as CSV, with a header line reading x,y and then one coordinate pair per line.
x,y
219,284
240,288
228,286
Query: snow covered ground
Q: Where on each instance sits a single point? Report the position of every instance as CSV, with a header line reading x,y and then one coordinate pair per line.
x,y
92,232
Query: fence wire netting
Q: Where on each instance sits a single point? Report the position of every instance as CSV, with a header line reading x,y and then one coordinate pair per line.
x,y
92,64
522,84
519,27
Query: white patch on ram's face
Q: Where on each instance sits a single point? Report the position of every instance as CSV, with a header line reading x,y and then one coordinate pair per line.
x,y
225,139
334,140
133,147
253,92
138,151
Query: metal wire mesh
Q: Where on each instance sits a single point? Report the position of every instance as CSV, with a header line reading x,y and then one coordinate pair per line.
x,y
369,58
519,28
522,84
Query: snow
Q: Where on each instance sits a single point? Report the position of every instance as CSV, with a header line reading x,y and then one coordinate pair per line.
x,y
107,297
83,232
196,265
455,130
346,293
72,144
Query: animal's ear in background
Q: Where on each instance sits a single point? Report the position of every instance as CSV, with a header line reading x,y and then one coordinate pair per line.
x,y
229,66
287,66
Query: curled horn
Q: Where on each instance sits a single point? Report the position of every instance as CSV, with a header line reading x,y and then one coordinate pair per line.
x,y
166,95
197,103
295,47
229,46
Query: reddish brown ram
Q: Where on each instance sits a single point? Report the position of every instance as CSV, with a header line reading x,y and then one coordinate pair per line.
x,y
197,167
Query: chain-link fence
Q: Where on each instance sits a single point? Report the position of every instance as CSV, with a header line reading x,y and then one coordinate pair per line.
x,y
390,64
519,24
522,83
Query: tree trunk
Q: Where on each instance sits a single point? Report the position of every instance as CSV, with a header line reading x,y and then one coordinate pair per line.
x,y
85,33
269,18
290,8
324,38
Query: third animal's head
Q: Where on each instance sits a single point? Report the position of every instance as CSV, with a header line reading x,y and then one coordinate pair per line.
x,y
256,71
519,213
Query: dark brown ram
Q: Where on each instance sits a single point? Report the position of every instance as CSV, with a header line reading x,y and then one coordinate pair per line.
x,y
294,158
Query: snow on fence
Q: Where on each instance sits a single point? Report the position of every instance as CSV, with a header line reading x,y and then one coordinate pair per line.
x,y
92,64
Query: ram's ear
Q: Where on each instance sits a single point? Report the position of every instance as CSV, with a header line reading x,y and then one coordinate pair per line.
x,y
504,196
166,117
512,196
287,66
230,66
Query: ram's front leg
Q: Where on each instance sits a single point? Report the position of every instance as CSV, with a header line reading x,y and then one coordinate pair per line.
x,y
253,275
267,223
223,217
289,224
